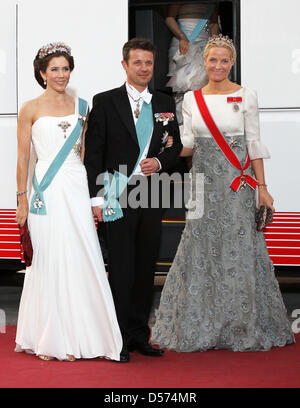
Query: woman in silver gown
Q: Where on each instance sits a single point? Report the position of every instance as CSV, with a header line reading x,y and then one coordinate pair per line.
x,y
221,291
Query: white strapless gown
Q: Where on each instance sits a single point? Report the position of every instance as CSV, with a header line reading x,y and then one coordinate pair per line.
x,y
66,305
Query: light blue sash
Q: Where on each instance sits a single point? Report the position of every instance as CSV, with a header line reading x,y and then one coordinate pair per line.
x,y
144,126
38,205
200,25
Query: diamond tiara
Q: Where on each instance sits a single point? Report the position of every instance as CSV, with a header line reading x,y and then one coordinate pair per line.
x,y
51,48
215,39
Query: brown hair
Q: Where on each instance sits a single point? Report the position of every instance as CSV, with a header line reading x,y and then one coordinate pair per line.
x,y
137,44
41,64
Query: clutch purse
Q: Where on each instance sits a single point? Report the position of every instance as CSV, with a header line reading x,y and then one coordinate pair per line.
x,y
26,244
263,217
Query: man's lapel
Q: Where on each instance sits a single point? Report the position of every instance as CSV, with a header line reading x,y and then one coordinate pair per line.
x,y
156,136
123,106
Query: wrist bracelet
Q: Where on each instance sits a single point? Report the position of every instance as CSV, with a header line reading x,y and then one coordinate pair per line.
x,y
21,193
261,184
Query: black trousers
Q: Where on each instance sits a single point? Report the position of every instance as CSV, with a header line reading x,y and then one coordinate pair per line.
x,y
133,247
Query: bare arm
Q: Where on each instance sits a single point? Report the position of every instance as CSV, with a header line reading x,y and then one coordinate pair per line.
x,y
186,152
175,29
264,197
213,23
24,140
82,151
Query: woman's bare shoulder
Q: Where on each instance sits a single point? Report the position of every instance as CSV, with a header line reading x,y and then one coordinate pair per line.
x,y
30,108
29,105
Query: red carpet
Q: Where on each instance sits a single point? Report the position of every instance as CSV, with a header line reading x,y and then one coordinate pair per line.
x,y
277,368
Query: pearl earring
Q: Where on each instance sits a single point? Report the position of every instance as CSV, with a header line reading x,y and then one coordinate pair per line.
x,y
45,82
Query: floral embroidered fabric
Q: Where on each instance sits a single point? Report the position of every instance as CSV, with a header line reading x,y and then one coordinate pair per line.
x,y
221,291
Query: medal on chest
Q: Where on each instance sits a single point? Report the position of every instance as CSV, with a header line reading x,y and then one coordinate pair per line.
x,y
64,126
137,110
235,102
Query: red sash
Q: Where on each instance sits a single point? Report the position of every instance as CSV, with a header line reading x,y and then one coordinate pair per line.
x,y
222,143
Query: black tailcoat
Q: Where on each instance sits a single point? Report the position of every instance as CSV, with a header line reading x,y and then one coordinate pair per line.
x,y
133,241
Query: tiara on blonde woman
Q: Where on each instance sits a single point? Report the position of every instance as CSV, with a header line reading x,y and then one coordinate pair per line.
x,y
220,41
51,48
216,39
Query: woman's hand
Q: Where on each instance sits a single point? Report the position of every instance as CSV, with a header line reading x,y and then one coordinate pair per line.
x,y
184,46
22,213
98,212
169,142
265,198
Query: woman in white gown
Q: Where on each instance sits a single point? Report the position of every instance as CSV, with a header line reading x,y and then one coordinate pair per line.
x,y
66,309
191,25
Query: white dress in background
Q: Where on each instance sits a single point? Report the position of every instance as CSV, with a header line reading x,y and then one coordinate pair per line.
x,y
187,72
66,305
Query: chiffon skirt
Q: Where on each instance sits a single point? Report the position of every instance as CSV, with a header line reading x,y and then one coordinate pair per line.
x,y
187,72
66,305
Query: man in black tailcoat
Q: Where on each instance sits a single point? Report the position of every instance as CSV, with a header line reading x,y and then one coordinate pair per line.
x,y
113,140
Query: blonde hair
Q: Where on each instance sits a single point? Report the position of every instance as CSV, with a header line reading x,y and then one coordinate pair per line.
x,y
220,41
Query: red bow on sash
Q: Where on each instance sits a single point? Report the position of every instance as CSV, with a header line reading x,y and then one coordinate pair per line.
x,y
222,143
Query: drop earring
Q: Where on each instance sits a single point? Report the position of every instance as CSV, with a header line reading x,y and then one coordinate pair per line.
x,y
45,82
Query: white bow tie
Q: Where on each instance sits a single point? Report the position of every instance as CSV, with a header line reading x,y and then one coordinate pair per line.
x,y
147,96
136,95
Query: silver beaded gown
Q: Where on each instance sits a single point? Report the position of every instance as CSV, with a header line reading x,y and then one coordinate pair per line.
x,y
221,291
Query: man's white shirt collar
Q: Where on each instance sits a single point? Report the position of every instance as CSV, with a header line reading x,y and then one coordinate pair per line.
x,y
135,94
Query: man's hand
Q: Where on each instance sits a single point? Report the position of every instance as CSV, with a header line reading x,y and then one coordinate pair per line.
x,y
149,166
98,213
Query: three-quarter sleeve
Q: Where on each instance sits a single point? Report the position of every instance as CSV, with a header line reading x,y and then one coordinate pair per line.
x,y
187,138
256,149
